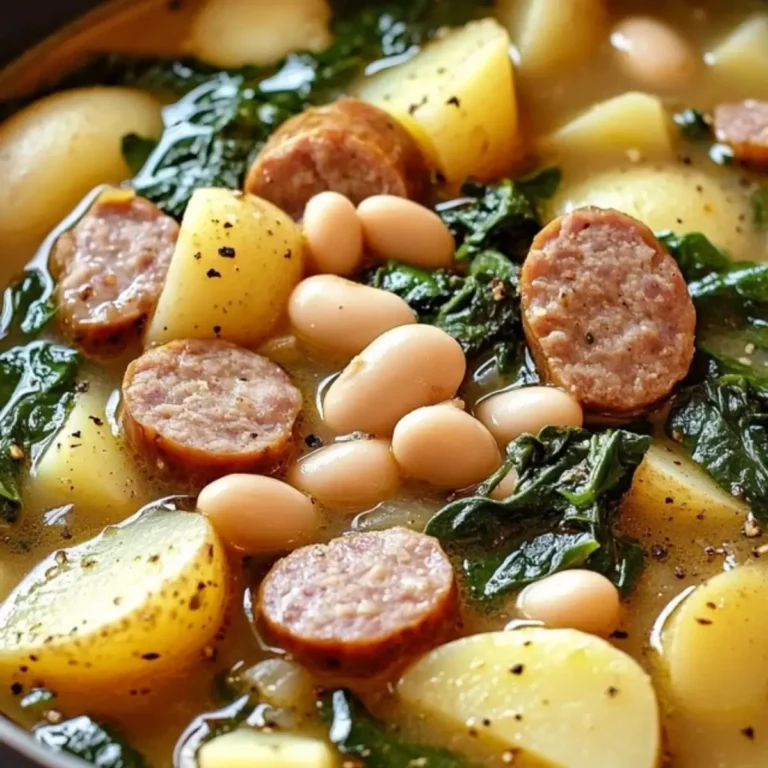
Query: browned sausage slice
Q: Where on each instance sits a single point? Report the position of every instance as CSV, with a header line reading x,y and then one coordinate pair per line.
x,y
209,408
362,602
111,268
348,147
607,312
744,127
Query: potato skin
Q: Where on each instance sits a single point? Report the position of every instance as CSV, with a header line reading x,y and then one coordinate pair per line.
x,y
236,262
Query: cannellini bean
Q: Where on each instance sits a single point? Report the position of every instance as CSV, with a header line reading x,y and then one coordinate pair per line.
x,y
653,53
443,445
343,316
359,473
518,411
259,515
575,599
402,370
398,228
506,487
333,234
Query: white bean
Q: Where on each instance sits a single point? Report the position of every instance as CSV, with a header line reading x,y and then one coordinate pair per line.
x,y
402,370
398,228
518,411
575,599
653,53
333,233
444,446
259,515
343,316
359,473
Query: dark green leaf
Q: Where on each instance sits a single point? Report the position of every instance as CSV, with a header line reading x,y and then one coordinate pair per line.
x,y
562,512
722,154
693,124
542,185
90,741
759,200
36,393
137,150
356,733
723,424
27,304
695,254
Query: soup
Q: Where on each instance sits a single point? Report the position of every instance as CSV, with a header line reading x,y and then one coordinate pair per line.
x,y
384,386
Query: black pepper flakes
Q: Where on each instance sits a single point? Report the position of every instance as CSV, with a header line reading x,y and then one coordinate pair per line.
x,y
589,338
97,421
517,669
227,252
749,732
619,634
703,621
150,656
313,441
197,256
288,254
16,689
454,101
612,691
213,273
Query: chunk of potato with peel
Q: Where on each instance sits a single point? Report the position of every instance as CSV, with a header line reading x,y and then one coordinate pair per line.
x,y
565,698
86,465
670,492
236,261
461,91
246,748
123,611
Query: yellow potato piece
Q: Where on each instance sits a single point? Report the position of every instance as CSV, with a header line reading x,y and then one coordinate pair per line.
x,y
632,122
565,698
233,33
124,610
673,197
670,492
740,63
236,262
251,749
86,465
55,151
461,91
551,35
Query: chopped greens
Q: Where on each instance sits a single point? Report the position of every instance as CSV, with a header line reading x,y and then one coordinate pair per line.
x,y
501,217
693,124
37,383
759,201
561,514
723,424
695,254
357,734
90,741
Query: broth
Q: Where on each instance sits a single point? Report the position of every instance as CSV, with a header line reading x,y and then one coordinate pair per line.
x,y
680,554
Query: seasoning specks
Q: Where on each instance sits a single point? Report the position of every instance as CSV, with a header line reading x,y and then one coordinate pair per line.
x,y
517,669
213,273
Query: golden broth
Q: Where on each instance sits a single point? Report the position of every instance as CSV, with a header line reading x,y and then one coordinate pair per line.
x,y
679,555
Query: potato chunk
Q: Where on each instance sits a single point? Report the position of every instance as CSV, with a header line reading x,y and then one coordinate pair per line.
x,y
740,63
562,697
461,91
236,262
251,749
233,33
86,465
632,122
56,150
122,611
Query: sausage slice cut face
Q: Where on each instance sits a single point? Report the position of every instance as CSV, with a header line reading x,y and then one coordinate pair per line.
x,y
111,268
744,127
607,312
362,602
348,147
209,408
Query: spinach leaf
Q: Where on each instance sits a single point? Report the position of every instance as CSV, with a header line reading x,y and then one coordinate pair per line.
x,y
695,254
498,217
723,424
27,304
570,483
37,384
137,150
479,310
356,733
90,741
693,124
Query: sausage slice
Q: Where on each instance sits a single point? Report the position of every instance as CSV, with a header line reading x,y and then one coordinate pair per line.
x,y
348,147
362,602
111,269
209,408
607,312
744,127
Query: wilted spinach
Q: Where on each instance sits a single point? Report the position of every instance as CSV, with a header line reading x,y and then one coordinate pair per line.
x,y
723,424
37,383
562,513
695,254
357,734
90,741
693,124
